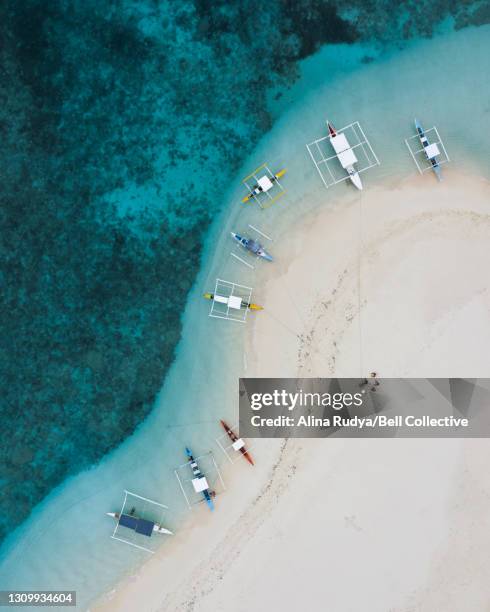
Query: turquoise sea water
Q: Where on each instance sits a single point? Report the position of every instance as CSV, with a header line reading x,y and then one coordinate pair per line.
x,y
66,540
122,123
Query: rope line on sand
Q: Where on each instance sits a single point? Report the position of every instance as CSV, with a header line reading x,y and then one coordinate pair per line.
x,y
295,333
286,327
359,297
291,299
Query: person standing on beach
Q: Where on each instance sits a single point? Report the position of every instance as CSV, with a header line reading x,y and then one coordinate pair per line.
x,y
374,381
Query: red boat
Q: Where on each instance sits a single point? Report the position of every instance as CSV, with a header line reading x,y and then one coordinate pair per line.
x,y
331,129
238,443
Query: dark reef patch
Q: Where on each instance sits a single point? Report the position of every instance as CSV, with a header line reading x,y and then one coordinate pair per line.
x,y
316,22
102,105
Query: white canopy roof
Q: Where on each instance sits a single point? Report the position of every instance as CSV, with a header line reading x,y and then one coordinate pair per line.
x,y
235,302
339,143
347,158
238,444
221,299
200,484
265,183
432,150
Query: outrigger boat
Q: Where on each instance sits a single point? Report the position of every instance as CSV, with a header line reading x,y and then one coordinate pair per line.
x,y
431,150
263,184
199,482
237,443
232,301
139,525
253,246
345,154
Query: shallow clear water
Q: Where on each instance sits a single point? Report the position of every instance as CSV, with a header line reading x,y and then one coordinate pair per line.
x,y
121,129
66,541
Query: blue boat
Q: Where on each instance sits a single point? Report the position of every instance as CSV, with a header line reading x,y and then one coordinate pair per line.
x,y
139,525
199,481
253,246
431,150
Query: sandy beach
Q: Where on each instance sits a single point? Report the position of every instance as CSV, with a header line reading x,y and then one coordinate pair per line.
x,y
411,254
392,280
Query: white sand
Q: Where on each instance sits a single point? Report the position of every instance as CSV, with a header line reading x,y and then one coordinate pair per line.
x,y
348,525
420,275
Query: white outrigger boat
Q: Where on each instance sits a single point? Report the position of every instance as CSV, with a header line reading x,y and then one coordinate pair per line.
x,y
345,154
253,246
197,483
231,301
131,528
353,153
263,186
432,154
431,150
139,525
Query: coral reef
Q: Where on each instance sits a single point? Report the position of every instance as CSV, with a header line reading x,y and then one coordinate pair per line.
x,y
114,117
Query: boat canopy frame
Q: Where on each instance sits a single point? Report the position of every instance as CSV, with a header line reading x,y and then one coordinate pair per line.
x,y
128,495
210,472
254,179
329,167
227,289
419,155
232,451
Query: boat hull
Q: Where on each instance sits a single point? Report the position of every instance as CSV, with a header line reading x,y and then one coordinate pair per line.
x,y
209,501
243,242
233,437
162,530
437,171
344,154
156,528
356,179
210,296
436,168
207,494
265,255
273,178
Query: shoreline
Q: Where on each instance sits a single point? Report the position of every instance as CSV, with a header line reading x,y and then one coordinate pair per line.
x,y
272,515
188,414
199,532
